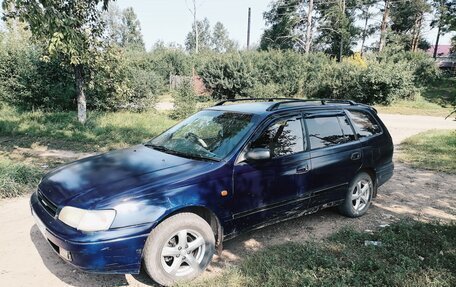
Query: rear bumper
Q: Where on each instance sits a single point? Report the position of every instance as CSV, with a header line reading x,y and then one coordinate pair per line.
x,y
117,251
384,173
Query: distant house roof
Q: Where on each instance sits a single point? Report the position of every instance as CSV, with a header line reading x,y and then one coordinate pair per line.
x,y
442,50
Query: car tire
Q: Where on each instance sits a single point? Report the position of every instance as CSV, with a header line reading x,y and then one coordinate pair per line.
x,y
179,249
358,197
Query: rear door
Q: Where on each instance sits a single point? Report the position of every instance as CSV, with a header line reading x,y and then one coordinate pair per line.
x,y
336,155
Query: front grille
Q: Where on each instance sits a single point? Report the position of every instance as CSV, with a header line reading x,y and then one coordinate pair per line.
x,y
50,207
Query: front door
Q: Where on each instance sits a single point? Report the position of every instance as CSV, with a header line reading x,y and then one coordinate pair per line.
x,y
269,189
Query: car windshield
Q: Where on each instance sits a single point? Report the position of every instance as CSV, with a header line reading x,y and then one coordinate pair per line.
x,y
209,135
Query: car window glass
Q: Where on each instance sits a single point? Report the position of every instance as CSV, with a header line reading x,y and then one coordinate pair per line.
x,y
346,128
329,131
364,124
284,137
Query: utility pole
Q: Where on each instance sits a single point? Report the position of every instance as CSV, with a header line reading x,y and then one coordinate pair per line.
x,y
248,27
341,51
309,27
384,26
196,28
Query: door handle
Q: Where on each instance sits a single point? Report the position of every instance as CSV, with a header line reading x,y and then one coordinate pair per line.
x,y
355,156
303,169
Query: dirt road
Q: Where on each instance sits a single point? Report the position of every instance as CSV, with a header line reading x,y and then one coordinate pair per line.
x,y
26,259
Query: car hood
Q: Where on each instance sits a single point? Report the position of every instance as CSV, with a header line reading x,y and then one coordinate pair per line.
x,y
104,176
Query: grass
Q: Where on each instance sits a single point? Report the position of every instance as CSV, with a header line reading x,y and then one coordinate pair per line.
x,y
436,100
102,132
17,178
435,150
412,254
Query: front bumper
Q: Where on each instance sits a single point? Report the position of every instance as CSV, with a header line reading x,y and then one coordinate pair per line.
x,y
115,251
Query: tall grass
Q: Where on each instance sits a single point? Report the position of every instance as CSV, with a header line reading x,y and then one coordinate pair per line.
x,y
17,178
102,131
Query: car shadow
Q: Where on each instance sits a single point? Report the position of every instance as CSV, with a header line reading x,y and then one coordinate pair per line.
x,y
67,273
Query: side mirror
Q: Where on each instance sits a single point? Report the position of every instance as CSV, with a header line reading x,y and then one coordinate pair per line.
x,y
258,154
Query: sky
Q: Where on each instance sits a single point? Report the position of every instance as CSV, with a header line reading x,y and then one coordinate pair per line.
x,y
171,20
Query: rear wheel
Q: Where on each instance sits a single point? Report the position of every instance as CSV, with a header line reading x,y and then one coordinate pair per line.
x,y
358,197
179,249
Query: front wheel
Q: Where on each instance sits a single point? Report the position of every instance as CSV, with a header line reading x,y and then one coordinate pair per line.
x,y
358,197
179,249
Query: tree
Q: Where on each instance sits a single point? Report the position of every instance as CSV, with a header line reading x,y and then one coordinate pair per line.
x,y
365,16
445,19
337,30
384,25
220,39
131,30
203,41
285,26
308,38
123,28
70,29
407,21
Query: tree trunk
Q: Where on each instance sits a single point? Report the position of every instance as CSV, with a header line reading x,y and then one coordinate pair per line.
x,y
341,48
384,26
364,36
81,98
417,33
436,47
309,27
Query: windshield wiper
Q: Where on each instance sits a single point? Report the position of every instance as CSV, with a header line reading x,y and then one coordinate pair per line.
x,y
182,154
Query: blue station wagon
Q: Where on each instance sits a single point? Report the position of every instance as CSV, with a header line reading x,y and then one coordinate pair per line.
x,y
169,204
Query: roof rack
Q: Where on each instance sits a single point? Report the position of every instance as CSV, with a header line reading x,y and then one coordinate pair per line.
x,y
322,102
253,99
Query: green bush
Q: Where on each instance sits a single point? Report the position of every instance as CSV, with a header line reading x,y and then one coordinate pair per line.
x,y
227,76
185,100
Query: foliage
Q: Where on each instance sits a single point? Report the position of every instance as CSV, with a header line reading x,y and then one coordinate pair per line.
x,y
204,37
423,66
227,77
123,28
407,21
17,178
221,42
411,254
185,100
28,82
337,28
283,25
442,146
216,39
70,31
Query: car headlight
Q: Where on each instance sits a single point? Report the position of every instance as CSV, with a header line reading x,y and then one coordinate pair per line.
x,y
87,220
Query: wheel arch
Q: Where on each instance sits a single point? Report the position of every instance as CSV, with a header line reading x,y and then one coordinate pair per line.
x,y
372,173
208,215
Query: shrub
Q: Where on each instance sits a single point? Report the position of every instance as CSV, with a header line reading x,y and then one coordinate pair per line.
x,y
185,100
227,76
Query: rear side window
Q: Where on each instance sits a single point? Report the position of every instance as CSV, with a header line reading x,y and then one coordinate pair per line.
x,y
284,137
329,131
365,125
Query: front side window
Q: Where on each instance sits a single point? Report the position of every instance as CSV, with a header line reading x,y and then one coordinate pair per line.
x,y
365,125
205,135
283,137
329,131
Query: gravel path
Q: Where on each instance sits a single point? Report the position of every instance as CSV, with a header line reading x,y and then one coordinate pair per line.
x,y
27,259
